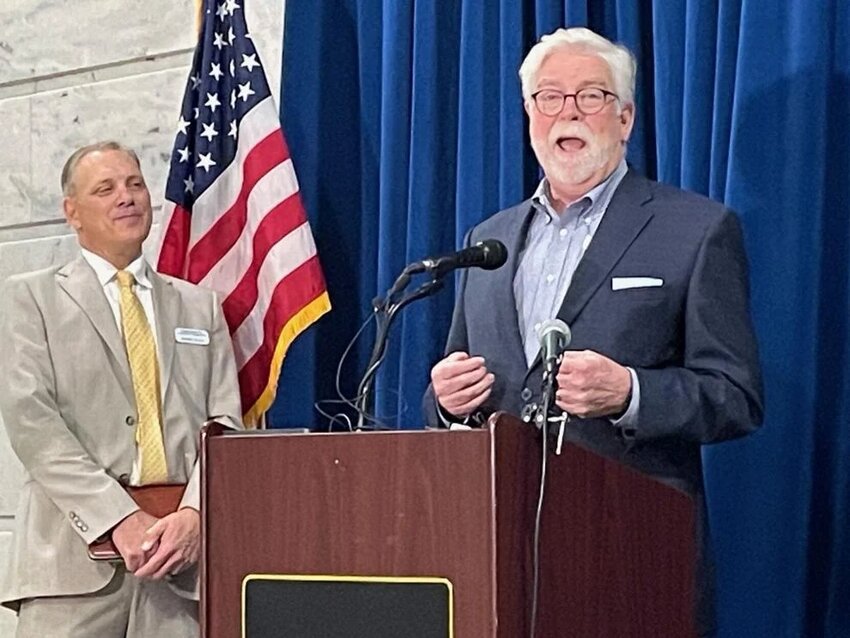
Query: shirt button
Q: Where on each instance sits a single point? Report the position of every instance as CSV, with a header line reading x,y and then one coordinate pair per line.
x,y
563,232
537,326
550,279
525,395
130,420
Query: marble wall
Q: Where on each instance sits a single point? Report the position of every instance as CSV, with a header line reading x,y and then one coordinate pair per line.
x,y
71,74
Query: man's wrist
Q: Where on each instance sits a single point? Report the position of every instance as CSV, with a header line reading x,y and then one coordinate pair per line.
x,y
447,419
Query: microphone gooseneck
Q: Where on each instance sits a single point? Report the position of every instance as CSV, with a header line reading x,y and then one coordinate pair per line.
x,y
488,254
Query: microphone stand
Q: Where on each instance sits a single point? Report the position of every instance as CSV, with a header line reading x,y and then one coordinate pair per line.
x,y
385,312
547,399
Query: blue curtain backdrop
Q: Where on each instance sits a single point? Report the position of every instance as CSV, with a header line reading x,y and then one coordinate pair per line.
x,y
406,127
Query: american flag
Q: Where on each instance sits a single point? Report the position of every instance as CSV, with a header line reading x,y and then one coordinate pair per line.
x,y
235,219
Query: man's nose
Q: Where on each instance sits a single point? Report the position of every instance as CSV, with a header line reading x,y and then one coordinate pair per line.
x,y
125,195
570,110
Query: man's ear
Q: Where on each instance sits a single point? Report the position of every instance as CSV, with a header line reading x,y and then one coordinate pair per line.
x,y
70,208
627,121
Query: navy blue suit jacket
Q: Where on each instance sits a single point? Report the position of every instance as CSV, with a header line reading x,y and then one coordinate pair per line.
x,y
690,340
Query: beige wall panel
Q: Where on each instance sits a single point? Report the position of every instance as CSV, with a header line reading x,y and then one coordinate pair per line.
x,y
63,120
15,159
45,38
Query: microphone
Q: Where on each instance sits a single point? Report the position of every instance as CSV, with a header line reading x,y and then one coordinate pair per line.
x,y
488,254
554,336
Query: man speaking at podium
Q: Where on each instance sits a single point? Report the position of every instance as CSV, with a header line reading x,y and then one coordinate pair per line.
x,y
109,370
651,280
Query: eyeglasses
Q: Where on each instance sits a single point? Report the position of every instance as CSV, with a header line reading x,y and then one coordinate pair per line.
x,y
589,101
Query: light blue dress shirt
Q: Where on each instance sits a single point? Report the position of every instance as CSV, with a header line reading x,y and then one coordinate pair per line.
x,y
554,246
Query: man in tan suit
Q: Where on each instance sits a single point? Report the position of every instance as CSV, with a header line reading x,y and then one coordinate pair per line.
x,y
72,411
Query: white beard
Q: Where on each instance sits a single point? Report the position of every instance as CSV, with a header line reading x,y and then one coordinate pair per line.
x,y
576,168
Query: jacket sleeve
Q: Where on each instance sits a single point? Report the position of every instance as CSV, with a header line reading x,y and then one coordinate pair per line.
x,y
223,401
91,500
717,392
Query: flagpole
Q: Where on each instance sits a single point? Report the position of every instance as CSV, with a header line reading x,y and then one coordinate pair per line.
x,y
199,16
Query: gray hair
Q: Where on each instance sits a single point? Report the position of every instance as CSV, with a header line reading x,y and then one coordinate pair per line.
x,y
620,60
71,164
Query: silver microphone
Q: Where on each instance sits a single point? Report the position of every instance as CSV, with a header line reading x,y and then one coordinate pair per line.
x,y
554,336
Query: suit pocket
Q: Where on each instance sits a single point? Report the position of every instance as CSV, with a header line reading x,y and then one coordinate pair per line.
x,y
641,294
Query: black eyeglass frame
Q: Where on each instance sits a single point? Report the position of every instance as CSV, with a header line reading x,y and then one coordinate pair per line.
x,y
605,101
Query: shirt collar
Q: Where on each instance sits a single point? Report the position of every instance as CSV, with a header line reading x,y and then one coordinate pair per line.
x,y
601,193
105,271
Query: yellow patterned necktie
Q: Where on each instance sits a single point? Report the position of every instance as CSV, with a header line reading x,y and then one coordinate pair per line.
x,y
144,369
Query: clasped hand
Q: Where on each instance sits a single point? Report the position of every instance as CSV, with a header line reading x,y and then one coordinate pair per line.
x,y
155,548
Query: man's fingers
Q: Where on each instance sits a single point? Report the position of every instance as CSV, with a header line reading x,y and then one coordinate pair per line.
x,y
133,561
460,382
468,408
170,567
154,563
473,395
449,367
153,534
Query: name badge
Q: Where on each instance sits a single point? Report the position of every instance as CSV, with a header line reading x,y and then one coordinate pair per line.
x,y
192,336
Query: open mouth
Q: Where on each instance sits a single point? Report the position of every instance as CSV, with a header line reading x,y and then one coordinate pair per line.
x,y
570,144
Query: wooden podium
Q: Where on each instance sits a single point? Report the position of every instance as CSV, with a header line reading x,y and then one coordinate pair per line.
x,y
617,548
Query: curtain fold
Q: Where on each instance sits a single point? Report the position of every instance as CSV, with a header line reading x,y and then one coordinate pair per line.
x,y
406,127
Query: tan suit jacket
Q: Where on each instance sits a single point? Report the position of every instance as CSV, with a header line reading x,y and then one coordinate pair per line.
x,y
66,399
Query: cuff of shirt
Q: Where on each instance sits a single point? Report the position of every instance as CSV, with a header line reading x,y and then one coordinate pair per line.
x,y
450,421
627,422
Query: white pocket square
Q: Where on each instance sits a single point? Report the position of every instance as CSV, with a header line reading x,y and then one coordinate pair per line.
x,y
622,283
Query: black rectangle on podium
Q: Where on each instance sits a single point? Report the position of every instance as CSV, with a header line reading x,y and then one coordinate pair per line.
x,y
284,606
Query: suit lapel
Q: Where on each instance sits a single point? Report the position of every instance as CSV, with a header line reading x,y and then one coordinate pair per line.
x,y
167,306
623,221
512,234
80,282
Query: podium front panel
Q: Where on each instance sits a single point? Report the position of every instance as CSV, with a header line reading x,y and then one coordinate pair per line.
x,y
406,504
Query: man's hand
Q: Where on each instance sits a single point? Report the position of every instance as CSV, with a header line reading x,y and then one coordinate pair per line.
x,y
461,383
592,385
174,541
128,537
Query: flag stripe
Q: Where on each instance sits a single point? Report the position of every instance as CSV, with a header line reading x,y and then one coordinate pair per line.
x,y
277,185
255,126
294,327
282,314
279,222
228,228
284,258
175,241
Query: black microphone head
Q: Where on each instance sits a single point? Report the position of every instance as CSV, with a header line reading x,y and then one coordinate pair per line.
x,y
494,254
488,254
